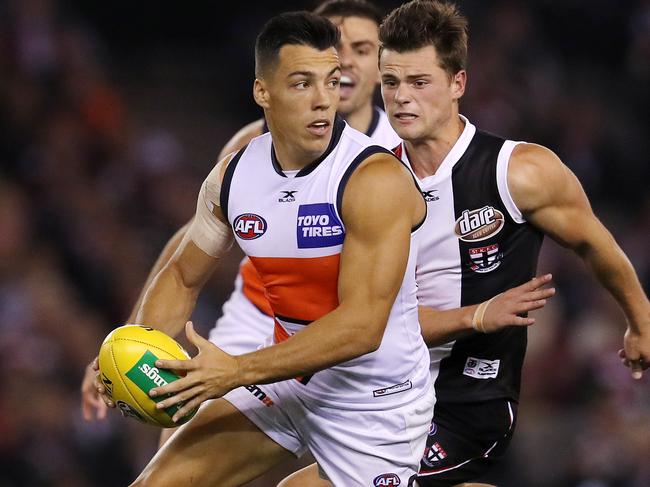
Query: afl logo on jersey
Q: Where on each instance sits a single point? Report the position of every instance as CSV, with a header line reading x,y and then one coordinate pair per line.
x,y
386,479
475,225
249,226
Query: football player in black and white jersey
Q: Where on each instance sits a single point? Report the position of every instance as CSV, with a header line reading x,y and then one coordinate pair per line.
x,y
491,201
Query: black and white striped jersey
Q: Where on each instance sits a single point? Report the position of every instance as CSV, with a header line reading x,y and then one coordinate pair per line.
x,y
475,244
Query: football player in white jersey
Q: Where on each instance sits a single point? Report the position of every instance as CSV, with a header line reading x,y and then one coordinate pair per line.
x,y
358,434
245,323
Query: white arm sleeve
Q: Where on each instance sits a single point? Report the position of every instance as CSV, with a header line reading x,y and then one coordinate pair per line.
x,y
208,232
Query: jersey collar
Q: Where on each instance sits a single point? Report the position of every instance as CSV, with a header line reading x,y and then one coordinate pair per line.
x,y
337,131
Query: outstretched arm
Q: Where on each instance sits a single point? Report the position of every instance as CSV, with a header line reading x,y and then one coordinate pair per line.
x,y
439,327
550,197
380,206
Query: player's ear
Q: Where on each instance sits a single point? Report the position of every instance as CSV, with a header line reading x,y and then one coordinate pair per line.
x,y
458,82
260,93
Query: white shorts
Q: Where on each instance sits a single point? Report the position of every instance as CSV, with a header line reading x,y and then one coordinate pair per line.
x,y
243,328
353,448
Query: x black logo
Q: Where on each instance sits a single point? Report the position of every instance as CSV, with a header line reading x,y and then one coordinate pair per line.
x,y
289,194
429,194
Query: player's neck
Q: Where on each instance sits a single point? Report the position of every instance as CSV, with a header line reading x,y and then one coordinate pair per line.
x,y
360,119
290,156
427,154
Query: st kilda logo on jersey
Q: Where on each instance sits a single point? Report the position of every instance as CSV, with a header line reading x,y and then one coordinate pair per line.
x,y
475,225
433,454
249,226
485,259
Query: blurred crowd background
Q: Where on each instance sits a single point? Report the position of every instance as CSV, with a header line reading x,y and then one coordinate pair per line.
x,y
110,117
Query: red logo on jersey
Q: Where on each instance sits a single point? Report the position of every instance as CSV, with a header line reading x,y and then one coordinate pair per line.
x,y
249,226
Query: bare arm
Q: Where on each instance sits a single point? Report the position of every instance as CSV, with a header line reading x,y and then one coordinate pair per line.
x,y
90,401
551,198
163,258
380,206
170,298
439,327
239,140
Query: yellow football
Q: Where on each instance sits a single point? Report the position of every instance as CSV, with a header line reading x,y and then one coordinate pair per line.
x,y
127,370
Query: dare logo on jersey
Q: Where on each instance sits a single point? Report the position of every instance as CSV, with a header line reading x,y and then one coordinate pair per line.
x,y
249,226
386,479
318,226
475,225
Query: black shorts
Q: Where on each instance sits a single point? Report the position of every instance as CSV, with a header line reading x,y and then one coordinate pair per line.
x,y
465,441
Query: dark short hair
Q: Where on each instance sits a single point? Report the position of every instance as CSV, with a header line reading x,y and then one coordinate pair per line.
x,y
421,23
350,8
292,28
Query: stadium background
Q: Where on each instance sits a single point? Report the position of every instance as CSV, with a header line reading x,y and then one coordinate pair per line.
x,y
112,113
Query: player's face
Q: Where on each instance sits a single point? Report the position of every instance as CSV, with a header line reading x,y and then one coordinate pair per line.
x,y
358,51
419,96
301,96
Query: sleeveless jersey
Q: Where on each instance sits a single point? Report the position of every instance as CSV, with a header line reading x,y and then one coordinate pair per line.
x,y
475,244
292,231
380,130
381,133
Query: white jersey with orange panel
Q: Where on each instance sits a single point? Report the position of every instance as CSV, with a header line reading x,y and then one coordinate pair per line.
x,y
292,232
247,320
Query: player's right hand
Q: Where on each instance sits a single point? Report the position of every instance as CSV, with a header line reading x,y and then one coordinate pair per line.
x,y
506,308
93,402
635,353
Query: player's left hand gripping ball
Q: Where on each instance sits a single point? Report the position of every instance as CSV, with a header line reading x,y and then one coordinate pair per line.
x,y
128,372
210,374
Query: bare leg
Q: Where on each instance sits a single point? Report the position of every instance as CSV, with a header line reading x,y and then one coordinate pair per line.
x,y
306,477
219,446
